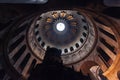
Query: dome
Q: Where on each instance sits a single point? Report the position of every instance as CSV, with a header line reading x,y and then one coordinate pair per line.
x,y
75,41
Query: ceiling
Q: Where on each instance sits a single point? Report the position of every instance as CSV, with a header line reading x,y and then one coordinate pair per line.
x,y
111,3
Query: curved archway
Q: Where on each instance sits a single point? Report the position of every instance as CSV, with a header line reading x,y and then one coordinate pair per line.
x,y
85,68
118,74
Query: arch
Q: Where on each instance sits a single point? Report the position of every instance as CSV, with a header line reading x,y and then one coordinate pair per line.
x,y
118,74
85,68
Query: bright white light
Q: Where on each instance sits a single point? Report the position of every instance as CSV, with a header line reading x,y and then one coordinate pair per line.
x,y
60,26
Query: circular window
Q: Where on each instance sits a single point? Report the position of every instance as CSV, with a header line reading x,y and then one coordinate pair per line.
x,y
60,26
